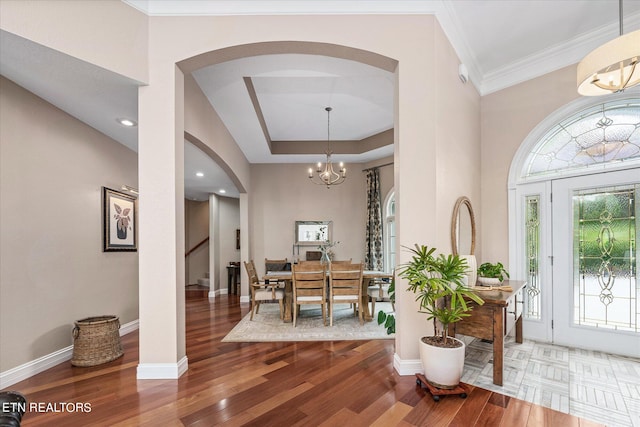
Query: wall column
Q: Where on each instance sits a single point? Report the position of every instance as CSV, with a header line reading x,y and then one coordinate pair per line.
x,y
161,224
216,285
244,246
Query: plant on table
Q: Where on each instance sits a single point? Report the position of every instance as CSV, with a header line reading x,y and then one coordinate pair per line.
x,y
496,271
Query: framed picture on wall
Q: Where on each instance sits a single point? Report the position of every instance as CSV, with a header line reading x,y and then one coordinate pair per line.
x,y
119,226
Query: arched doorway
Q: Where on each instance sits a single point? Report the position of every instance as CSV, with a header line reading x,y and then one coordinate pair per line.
x,y
211,71
574,187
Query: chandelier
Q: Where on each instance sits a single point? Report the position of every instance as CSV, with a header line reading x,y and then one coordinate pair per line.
x,y
327,175
611,67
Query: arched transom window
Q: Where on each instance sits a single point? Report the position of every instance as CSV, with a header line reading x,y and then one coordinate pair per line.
x,y
604,133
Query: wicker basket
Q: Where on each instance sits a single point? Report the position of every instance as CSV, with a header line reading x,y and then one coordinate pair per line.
x,y
96,340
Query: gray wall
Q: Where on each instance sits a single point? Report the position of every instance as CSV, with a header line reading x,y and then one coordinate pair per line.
x,y
53,270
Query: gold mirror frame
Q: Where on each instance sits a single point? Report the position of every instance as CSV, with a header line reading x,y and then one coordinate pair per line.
x,y
454,225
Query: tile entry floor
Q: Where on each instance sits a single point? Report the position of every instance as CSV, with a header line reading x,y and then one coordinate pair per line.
x,y
597,386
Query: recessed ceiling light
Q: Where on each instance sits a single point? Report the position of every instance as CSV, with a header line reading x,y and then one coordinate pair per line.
x,y
222,191
200,174
127,122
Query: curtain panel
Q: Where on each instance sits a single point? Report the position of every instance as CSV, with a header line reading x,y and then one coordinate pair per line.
x,y
373,258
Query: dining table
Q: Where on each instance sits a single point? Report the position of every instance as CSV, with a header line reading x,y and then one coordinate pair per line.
x,y
285,276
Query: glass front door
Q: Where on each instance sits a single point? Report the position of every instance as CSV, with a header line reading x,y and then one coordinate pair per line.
x,y
596,292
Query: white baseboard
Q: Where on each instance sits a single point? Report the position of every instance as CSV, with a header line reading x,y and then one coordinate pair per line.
x,y
244,298
129,327
407,367
217,292
29,369
162,371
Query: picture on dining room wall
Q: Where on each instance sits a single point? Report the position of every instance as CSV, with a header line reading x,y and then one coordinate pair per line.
x,y
119,224
312,232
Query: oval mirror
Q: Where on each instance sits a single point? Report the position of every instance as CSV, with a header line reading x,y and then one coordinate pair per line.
x,y
463,228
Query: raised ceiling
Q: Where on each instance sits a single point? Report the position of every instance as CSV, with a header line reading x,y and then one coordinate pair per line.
x,y
501,43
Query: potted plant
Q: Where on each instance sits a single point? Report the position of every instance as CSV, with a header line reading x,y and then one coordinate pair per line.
x,y
438,281
492,274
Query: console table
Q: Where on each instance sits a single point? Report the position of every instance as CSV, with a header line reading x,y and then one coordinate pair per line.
x,y
233,278
492,321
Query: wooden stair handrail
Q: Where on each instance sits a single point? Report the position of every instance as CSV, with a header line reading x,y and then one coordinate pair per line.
x,y
196,247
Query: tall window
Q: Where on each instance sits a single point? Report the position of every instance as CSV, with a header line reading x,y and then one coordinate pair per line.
x,y
532,243
390,232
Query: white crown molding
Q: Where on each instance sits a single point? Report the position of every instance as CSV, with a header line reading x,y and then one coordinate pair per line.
x,y
553,58
162,371
29,369
451,25
280,7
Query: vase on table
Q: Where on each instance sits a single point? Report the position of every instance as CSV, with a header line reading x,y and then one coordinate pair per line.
x,y
325,259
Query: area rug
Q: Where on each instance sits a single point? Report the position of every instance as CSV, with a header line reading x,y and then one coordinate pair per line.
x,y
267,326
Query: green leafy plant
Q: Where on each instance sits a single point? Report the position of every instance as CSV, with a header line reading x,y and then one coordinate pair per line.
x,y
389,319
496,270
438,282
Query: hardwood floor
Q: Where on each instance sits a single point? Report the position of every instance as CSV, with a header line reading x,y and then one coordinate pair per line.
x,y
265,384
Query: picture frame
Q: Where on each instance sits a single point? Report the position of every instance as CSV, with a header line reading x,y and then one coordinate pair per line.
x,y
313,233
119,221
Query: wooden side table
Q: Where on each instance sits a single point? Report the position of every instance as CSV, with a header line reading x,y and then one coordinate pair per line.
x,y
494,319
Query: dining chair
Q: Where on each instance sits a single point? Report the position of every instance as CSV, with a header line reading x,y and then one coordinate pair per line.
x,y
345,286
276,265
261,292
309,287
379,290
346,261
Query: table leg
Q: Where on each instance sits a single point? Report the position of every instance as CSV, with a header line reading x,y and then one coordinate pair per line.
x,y
288,301
364,301
236,280
519,330
498,345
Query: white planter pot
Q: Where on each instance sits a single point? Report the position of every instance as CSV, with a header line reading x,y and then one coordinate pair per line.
x,y
442,366
489,281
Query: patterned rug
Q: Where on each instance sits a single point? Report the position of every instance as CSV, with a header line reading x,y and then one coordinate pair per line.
x,y
267,326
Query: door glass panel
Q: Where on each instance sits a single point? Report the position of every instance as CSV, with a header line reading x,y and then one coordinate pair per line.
x,y
532,237
605,282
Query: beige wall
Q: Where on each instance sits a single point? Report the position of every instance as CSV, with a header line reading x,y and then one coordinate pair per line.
x,y
282,194
196,230
53,269
458,141
107,33
507,118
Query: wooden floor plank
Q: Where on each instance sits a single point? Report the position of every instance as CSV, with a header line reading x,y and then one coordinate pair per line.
x,y
266,384
392,416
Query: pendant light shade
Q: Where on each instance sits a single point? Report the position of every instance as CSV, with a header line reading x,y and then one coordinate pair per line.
x,y
613,67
